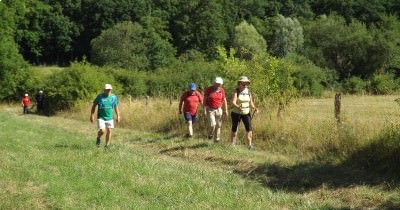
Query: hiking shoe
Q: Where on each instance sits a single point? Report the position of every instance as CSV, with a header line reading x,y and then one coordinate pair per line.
x,y
98,141
250,147
210,137
107,146
188,136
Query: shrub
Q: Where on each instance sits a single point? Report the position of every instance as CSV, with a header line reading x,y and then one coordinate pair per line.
x,y
354,85
79,82
383,84
309,79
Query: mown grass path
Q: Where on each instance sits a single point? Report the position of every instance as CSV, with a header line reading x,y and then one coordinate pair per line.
x,y
52,163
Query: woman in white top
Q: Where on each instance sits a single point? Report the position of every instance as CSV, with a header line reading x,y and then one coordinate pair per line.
x,y
242,102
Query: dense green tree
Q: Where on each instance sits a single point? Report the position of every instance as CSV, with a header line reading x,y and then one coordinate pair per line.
x,y
287,36
349,49
14,73
160,50
132,46
123,46
248,42
200,26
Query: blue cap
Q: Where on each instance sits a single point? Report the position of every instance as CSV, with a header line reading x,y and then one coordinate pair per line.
x,y
192,86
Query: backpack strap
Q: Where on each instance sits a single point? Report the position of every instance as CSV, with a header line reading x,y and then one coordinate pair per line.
x,y
238,92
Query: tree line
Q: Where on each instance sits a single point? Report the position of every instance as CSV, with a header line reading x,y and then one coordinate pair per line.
x,y
323,44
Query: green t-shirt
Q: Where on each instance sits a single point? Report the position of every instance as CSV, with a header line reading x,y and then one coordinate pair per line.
x,y
106,105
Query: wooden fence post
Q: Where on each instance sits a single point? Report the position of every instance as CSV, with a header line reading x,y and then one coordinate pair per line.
x,y
147,102
338,104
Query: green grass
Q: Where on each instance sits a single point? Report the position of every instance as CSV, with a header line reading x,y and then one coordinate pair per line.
x,y
52,163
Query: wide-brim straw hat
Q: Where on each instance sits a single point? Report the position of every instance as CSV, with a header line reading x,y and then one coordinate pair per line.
x,y
244,79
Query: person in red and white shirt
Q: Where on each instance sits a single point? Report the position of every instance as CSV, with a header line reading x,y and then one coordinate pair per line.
x,y
190,101
25,103
214,100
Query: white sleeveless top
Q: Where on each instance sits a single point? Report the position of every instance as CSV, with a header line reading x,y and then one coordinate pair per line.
x,y
243,100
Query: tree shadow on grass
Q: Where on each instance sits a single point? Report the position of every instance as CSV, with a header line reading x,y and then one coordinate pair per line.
x,y
70,146
376,164
181,148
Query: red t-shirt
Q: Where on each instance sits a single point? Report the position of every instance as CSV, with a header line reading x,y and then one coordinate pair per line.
x,y
214,98
191,100
26,101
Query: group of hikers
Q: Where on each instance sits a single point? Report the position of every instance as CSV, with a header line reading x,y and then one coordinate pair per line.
x,y
213,102
26,101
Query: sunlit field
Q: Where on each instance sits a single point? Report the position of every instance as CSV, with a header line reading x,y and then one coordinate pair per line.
x,y
304,160
307,124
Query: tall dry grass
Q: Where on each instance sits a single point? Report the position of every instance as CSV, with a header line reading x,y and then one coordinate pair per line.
x,y
308,125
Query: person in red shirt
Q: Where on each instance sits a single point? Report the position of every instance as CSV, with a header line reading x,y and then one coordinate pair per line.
x,y
190,100
214,100
25,103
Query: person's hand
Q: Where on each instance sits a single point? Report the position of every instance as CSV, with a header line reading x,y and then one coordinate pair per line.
x,y
256,110
118,119
91,118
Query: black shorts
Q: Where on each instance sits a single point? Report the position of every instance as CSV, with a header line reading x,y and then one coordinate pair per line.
x,y
245,118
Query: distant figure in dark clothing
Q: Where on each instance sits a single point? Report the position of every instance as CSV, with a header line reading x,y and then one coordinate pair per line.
x,y
40,102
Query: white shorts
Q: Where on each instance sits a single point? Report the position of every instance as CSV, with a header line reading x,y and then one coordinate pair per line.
x,y
101,124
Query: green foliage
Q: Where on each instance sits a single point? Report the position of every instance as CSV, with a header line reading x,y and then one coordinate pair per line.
x,y
309,79
14,72
79,82
131,46
248,41
355,85
349,49
199,25
272,79
383,84
123,45
133,82
287,37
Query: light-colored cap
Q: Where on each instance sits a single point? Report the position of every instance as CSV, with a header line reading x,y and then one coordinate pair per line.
x,y
26,94
107,87
40,91
219,80
244,79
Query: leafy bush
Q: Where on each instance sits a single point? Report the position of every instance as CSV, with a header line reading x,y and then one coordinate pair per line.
x,y
79,82
354,85
133,82
131,46
383,84
309,79
14,71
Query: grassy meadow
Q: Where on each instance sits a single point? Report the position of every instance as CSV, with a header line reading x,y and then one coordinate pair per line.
x,y
302,161
308,125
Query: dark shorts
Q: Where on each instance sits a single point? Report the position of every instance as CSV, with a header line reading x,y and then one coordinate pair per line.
x,y
189,117
236,118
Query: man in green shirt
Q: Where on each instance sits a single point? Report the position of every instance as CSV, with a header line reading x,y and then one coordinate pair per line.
x,y
107,103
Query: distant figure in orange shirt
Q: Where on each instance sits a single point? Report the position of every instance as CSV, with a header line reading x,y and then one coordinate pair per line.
x,y
25,103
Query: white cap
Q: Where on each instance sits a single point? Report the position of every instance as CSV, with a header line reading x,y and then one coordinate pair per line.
x,y
26,94
219,80
40,91
107,87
